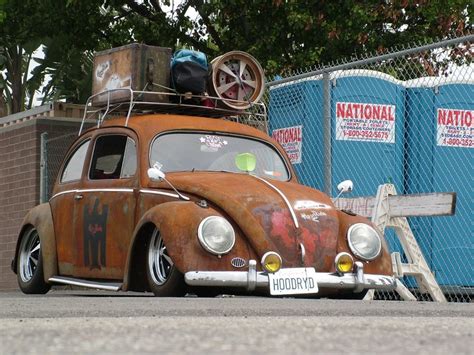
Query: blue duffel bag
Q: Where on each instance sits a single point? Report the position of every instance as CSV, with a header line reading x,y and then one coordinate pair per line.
x,y
189,72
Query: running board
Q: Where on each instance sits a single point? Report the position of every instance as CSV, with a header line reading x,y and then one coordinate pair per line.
x,y
85,283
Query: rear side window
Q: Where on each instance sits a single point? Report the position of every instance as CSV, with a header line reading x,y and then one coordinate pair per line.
x,y
115,157
73,169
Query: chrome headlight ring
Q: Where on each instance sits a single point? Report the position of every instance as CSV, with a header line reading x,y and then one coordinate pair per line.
x,y
364,241
216,235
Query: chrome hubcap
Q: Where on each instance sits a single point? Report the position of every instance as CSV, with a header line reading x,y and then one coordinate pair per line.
x,y
29,255
159,262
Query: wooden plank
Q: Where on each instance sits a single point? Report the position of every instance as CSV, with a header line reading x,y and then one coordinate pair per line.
x,y
434,204
415,205
361,205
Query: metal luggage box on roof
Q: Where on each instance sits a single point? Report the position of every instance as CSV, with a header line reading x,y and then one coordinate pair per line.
x,y
135,66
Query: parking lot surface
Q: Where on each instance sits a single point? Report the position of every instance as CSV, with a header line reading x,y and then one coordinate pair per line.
x,y
91,322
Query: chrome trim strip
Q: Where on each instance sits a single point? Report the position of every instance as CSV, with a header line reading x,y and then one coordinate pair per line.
x,y
63,193
303,253
156,192
105,190
293,215
85,283
90,190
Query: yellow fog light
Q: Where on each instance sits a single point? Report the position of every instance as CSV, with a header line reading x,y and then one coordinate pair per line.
x,y
271,261
344,262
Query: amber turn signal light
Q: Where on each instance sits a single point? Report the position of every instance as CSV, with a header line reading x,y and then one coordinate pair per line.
x,y
344,262
271,261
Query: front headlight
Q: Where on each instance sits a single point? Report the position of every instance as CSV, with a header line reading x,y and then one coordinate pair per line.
x,y
364,241
216,235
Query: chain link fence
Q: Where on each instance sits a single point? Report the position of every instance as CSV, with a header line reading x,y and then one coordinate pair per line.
x,y
404,118
53,150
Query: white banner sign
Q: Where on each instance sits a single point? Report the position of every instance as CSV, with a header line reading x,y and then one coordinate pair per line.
x,y
365,122
455,128
291,139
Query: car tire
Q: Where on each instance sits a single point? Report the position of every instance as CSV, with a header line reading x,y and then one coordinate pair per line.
x,y
29,264
164,279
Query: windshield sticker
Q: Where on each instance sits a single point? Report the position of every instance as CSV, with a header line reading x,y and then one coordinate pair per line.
x,y
272,173
213,142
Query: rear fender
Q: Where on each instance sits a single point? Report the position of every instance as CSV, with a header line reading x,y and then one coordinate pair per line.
x,y
178,223
41,218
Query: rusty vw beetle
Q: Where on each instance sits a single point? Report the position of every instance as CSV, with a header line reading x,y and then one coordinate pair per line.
x,y
175,204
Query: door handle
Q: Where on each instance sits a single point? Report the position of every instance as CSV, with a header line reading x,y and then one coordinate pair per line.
x,y
78,197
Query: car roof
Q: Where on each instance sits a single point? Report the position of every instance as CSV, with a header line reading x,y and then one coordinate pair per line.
x,y
148,126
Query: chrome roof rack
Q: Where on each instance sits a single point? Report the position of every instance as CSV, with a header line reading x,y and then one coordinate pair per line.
x,y
132,103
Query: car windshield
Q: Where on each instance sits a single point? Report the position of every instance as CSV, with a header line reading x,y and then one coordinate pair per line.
x,y
201,151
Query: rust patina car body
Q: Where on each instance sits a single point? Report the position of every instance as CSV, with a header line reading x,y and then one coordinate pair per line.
x,y
135,232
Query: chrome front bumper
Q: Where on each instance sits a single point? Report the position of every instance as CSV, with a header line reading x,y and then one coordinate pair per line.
x,y
252,279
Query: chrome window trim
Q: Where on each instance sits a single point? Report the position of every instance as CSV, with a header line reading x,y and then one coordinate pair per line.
x,y
127,148
106,190
282,157
155,192
90,190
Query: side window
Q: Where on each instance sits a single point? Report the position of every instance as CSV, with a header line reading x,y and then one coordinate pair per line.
x,y
73,169
129,166
114,158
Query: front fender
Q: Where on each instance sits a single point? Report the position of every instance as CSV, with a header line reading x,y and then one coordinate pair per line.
x,y
41,218
178,223
382,264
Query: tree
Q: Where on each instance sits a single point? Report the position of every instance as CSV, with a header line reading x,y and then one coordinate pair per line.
x,y
288,35
295,34
64,29
284,35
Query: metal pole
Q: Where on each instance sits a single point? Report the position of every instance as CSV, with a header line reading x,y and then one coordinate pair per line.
x,y
327,133
44,168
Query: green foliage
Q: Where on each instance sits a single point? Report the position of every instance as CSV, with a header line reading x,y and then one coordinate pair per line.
x,y
284,35
59,29
287,35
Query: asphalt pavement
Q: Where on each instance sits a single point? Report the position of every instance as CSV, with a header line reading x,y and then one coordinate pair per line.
x,y
110,323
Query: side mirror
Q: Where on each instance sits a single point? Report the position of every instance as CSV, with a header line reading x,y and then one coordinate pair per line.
x,y
155,173
345,186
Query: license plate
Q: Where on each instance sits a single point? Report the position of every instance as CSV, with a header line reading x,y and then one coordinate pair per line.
x,y
293,281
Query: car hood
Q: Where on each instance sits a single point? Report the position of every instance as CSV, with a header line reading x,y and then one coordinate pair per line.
x,y
265,219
